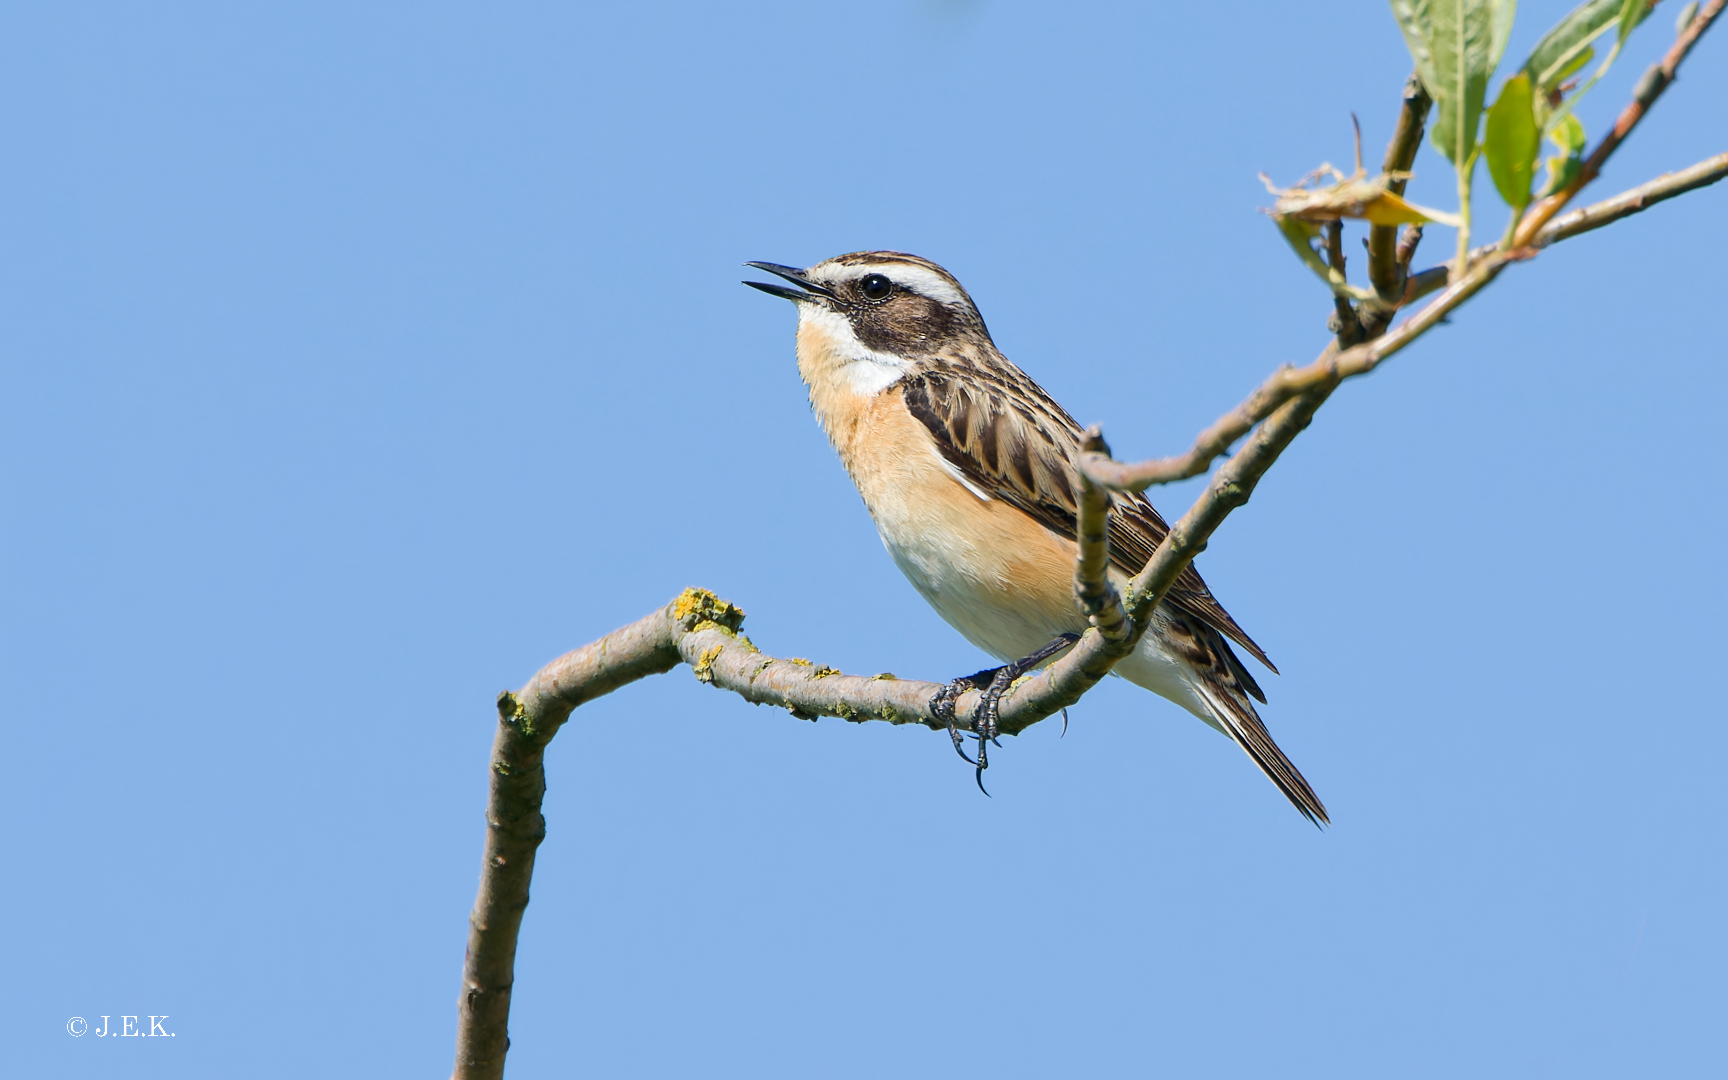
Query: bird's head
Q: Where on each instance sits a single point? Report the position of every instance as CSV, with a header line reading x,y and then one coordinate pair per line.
x,y
867,319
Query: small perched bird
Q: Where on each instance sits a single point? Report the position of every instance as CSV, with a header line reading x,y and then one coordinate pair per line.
x,y
967,467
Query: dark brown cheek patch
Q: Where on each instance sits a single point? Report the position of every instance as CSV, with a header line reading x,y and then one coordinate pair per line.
x,y
906,325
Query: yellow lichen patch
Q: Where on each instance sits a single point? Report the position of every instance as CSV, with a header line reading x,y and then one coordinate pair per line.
x,y
824,671
695,608
512,711
800,661
704,666
888,675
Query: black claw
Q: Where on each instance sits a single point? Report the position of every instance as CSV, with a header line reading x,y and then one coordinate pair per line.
x,y
992,683
959,748
1064,734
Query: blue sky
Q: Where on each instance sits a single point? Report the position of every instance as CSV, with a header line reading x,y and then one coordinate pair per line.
x,y
359,358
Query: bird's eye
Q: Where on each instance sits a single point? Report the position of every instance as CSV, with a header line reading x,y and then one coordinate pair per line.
x,y
875,287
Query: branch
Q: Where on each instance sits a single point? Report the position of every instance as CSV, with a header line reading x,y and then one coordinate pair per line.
x,y
514,827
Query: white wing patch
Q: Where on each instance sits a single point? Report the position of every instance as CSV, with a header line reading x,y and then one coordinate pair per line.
x,y
954,471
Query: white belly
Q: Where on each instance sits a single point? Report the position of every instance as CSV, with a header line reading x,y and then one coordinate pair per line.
x,y
974,594
1009,623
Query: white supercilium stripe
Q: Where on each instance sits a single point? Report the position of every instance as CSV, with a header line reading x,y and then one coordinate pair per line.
x,y
916,278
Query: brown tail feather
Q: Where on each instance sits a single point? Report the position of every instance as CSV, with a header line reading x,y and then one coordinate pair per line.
x,y
1235,713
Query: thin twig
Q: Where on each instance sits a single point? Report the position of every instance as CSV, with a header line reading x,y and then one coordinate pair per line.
x,y
1216,440
1093,591
1627,203
1343,324
1644,95
1236,479
1588,218
1383,273
1289,382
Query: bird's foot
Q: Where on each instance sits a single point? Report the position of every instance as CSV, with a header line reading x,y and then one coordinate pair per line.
x,y
992,684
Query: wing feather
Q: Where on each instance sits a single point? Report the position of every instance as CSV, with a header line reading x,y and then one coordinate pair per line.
x,y
1011,439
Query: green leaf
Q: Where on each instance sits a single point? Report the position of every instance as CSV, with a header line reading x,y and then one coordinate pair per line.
x,y
1512,142
1575,66
1566,48
1632,13
1412,16
1559,52
1461,36
1568,135
1455,45
1504,10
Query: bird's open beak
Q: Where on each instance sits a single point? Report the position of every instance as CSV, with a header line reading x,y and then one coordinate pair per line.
x,y
807,290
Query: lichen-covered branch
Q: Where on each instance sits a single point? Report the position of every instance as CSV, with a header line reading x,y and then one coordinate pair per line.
x,y
706,633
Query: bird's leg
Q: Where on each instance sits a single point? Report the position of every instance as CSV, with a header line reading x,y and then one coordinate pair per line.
x,y
993,682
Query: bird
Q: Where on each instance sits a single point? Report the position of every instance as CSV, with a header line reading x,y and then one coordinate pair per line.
x,y
967,467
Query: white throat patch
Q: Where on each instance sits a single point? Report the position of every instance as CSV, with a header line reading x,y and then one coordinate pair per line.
x,y
854,365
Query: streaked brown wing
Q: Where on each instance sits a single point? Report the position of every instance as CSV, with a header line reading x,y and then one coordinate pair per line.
x,y
1016,444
